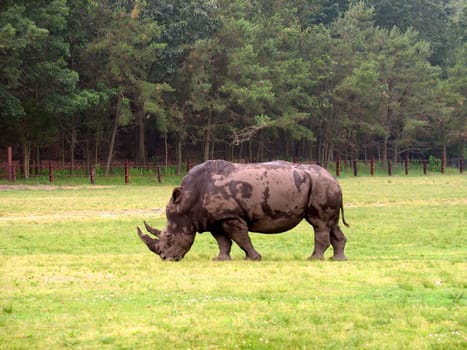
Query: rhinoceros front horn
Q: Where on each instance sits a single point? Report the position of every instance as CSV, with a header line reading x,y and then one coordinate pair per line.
x,y
152,243
153,230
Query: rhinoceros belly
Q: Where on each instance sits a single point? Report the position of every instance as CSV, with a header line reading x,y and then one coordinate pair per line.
x,y
267,225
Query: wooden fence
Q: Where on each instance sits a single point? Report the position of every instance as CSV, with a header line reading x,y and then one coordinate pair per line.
x,y
126,170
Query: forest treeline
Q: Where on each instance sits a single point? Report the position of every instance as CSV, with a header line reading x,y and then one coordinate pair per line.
x,y
170,80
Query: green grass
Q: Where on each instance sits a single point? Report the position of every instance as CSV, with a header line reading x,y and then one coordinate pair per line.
x,y
73,274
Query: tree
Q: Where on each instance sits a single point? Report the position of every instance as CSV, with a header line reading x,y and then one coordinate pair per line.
x,y
354,84
232,79
429,18
408,82
38,82
448,124
387,73
125,49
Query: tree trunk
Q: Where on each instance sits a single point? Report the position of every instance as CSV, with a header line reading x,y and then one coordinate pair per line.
x,y
260,149
385,148
445,153
207,138
63,149
37,169
114,135
88,152
387,125
395,151
250,152
166,154
72,148
96,147
179,157
26,158
460,147
141,147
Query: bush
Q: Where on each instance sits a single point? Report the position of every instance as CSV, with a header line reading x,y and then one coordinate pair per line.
x,y
434,164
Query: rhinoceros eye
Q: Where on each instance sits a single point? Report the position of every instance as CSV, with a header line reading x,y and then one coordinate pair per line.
x,y
168,238
171,239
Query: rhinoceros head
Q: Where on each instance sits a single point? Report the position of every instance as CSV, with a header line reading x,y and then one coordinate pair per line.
x,y
176,240
169,246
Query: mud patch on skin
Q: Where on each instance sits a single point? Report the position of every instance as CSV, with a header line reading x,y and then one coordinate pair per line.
x,y
240,187
264,204
299,180
268,211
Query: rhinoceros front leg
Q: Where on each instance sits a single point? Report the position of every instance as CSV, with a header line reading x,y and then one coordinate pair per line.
x,y
225,244
237,229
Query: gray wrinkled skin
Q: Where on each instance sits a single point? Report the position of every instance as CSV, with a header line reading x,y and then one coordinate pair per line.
x,y
229,200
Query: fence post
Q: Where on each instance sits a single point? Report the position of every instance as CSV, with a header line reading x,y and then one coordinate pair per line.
x,y
443,165
338,165
461,165
127,177
92,175
389,168
406,164
372,165
188,165
355,171
424,166
51,171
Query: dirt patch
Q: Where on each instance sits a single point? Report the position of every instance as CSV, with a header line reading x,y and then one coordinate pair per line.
x,y
88,215
48,187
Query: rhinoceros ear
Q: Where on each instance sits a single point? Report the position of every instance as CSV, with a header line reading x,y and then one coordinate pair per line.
x,y
177,195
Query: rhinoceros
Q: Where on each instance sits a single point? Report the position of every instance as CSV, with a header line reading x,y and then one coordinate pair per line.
x,y
230,199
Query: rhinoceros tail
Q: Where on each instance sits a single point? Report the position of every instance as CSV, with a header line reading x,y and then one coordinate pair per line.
x,y
343,218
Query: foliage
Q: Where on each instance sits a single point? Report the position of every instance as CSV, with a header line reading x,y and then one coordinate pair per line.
x,y
434,164
193,78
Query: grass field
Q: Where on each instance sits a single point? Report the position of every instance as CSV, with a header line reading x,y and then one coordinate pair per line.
x,y
73,274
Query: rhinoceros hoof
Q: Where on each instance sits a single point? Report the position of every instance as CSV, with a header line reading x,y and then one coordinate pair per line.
x,y
338,258
314,258
222,258
253,258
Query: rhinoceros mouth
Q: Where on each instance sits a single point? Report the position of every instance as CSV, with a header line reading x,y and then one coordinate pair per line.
x,y
170,258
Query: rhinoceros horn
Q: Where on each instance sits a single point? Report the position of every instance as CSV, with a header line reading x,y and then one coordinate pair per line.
x,y
152,243
153,230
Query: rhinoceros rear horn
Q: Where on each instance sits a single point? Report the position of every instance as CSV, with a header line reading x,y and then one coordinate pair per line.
x,y
152,243
153,230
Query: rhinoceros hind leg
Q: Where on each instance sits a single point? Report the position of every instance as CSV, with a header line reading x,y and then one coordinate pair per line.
x,y
338,241
238,230
322,242
225,244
